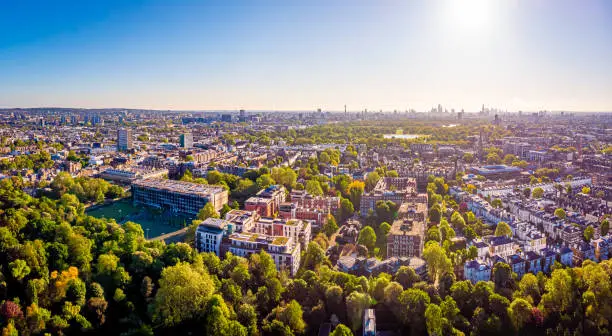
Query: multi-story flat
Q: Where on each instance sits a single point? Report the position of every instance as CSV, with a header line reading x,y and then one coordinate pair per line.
x,y
178,196
210,233
186,140
300,231
476,271
243,220
124,139
276,193
395,189
501,246
263,206
283,250
304,200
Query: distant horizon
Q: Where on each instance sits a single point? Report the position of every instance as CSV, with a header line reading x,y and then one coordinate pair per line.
x,y
270,55
287,110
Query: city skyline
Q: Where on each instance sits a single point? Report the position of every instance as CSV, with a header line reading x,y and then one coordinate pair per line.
x,y
511,55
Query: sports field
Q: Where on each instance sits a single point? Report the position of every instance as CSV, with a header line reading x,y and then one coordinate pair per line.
x,y
154,222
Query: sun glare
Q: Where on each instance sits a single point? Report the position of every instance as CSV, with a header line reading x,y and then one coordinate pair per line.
x,y
469,14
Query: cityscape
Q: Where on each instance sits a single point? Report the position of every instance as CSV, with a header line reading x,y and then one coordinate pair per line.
x,y
174,215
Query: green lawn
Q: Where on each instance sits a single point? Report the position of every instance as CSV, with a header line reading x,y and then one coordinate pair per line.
x,y
154,222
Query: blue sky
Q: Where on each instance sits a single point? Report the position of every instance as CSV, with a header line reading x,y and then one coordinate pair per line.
x,y
515,54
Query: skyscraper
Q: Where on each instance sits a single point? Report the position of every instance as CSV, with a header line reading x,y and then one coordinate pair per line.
x,y
186,140
124,139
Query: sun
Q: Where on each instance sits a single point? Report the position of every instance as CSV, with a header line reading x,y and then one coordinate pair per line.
x,y
469,14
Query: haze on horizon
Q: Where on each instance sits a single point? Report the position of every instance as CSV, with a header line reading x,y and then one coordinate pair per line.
x,y
267,55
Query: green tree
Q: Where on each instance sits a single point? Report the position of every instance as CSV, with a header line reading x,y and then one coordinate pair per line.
x,y
330,227
355,190
560,213
434,319
367,237
519,312
437,262
346,209
208,211
182,295
356,304
503,229
341,330
588,233
264,181
371,180
537,192
604,227
313,187
19,269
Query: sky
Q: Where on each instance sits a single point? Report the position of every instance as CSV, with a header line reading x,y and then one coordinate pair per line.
x,y
302,55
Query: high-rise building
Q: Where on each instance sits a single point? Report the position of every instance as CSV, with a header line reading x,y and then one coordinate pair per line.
x,y
124,139
186,140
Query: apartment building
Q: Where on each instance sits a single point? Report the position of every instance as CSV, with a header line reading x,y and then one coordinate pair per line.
x,y
300,231
210,233
283,250
243,220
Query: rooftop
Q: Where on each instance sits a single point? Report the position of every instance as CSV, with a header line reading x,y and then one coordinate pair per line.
x,y
182,187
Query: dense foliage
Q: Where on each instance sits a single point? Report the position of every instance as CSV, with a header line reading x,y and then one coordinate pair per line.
x,y
63,272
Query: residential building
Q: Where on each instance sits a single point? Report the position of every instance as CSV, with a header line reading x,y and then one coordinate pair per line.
x,y
300,231
243,220
263,206
186,140
124,140
283,250
476,271
501,246
210,233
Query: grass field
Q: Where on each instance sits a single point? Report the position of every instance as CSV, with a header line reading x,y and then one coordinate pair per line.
x,y
154,222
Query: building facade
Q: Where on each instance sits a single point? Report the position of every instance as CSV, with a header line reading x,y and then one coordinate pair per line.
x,y
178,196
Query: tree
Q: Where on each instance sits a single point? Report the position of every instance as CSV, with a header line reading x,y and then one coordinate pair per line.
x,y
182,295
19,269
457,221
503,229
313,187
355,190
411,309
437,261
346,209
434,214
406,276
496,203
330,227
208,211
537,192
519,312
264,181
341,330
434,319
367,237
604,227
468,157
114,191
291,315
371,180
356,304
588,233
560,213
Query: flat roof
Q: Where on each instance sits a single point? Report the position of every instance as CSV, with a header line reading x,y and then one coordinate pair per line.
x,y
182,187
